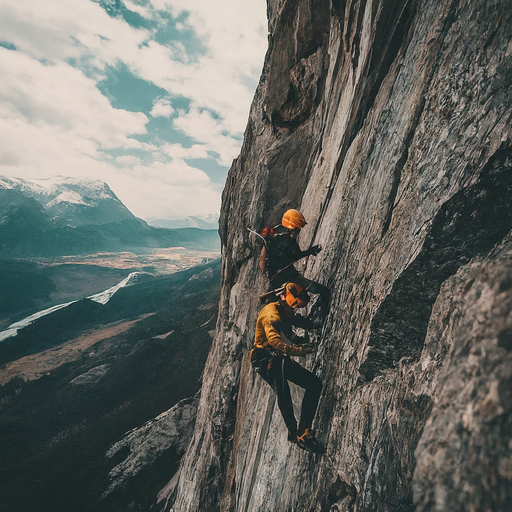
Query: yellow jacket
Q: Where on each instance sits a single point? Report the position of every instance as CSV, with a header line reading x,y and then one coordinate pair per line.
x,y
272,321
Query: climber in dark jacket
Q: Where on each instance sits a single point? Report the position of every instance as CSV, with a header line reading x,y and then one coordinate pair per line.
x,y
282,250
270,358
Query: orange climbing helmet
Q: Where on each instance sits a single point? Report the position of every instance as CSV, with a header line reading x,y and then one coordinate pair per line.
x,y
293,219
296,296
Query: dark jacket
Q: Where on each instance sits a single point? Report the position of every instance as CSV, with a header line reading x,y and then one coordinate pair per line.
x,y
282,251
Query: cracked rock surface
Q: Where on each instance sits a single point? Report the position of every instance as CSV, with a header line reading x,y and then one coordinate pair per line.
x,y
387,123
171,429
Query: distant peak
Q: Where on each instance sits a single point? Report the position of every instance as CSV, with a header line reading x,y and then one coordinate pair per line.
x,y
73,200
69,196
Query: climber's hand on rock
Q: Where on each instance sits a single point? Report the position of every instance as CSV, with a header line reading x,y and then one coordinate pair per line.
x,y
315,249
307,348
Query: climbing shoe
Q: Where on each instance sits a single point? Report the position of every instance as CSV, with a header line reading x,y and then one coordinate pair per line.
x,y
292,436
308,441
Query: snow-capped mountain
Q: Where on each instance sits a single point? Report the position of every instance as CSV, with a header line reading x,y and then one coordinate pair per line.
x,y
59,216
210,221
70,201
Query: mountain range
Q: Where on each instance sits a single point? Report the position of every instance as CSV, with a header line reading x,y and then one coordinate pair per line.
x,y
62,215
67,201
210,221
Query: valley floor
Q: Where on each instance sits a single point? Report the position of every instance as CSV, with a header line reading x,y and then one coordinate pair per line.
x,y
35,366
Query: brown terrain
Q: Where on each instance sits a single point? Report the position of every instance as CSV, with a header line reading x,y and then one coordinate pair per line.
x,y
36,365
161,260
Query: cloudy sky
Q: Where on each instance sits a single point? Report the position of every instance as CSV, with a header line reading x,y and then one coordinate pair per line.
x,y
151,96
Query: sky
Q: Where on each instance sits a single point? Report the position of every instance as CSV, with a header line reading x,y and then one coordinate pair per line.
x,y
150,96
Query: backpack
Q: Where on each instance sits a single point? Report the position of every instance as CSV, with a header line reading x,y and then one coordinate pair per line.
x,y
272,248
268,235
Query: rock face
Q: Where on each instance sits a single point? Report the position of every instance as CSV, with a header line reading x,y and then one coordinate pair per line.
x,y
387,123
171,429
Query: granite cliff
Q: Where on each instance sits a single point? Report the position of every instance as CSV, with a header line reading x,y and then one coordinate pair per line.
x,y
387,123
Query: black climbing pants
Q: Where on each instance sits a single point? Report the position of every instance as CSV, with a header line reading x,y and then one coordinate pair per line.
x,y
284,369
314,287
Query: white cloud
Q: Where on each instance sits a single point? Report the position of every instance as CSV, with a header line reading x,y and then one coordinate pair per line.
x,y
157,190
210,132
177,151
60,98
235,35
164,190
162,108
66,29
82,30
128,160
54,120
139,9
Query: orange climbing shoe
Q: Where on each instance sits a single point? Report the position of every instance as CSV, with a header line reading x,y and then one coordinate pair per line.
x,y
308,441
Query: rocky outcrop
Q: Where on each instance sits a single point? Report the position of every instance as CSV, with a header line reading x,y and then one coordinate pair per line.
x,y
93,376
170,430
387,123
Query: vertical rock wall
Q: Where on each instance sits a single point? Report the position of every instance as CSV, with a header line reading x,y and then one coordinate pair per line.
x,y
387,123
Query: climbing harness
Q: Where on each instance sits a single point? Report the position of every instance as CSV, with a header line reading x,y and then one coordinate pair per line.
x,y
262,359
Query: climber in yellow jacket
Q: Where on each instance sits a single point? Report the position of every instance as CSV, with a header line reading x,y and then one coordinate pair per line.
x,y
270,358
